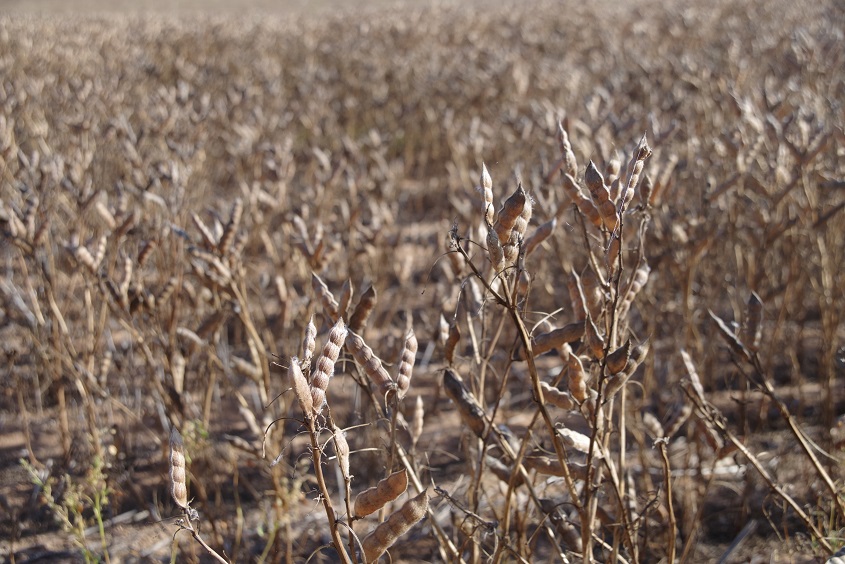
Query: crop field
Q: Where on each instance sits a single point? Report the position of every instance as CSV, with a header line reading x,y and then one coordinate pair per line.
x,y
472,282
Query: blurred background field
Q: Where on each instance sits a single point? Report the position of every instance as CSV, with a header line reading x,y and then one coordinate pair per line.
x,y
353,136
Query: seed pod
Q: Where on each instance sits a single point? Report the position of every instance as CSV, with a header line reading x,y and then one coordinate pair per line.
x,y
363,310
550,467
678,418
544,342
228,235
346,292
330,305
595,184
178,487
752,323
166,292
594,339
509,214
246,368
372,365
556,397
593,294
341,448
576,296
303,394
145,252
406,364
452,342
613,254
309,343
468,408
324,368
208,239
635,167
637,356
652,425
501,471
487,192
495,251
637,282
578,441
613,384
583,203
611,177
372,499
442,330
540,234
577,378
177,370
399,523
646,187
417,421
570,535
569,163
692,373
618,359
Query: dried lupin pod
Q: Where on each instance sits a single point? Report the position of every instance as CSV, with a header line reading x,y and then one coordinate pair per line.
x,y
578,441
372,499
246,368
509,214
330,305
309,343
494,251
593,338
577,378
593,293
372,365
406,364
145,252
300,387
511,248
177,370
646,188
346,292
341,448
634,286
611,177
442,330
324,368
635,168
228,235
569,163
576,296
468,408
452,342
417,421
552,467
570,536
544,342
618,359
653,426
583,203
677,419
752,323
376,543
501,471
178,486
487,193
540,234
208,239
601,196
557,398
363,310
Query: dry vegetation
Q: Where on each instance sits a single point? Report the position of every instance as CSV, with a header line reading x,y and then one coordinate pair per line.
x,y
510,284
